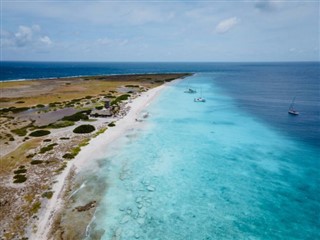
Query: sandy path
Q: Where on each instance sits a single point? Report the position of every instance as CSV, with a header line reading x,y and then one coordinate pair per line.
x,y
96,145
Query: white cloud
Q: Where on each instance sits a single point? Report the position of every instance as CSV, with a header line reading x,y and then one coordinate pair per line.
x,y
25,36
225,25
36,28
46,40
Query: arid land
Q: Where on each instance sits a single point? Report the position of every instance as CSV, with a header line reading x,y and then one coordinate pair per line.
x,y
37,137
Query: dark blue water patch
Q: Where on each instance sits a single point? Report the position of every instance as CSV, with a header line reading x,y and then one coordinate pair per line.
x,y
266,91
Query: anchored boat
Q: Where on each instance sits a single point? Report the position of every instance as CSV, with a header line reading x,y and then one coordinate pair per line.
x,y
291,110
200,99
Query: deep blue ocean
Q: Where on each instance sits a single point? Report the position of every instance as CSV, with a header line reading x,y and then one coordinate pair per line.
x,y
235,167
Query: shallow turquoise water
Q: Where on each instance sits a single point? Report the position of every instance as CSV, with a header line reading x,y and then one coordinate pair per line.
x,y
206,171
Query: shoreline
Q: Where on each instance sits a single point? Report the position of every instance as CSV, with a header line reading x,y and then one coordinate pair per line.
x,y
55,204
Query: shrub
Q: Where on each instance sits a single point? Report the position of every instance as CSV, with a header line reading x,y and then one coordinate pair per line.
x,y
47,194
64,138
39,133
31,155
48,148
35,162
112,124
20,131
76,117
35,207
68,156
19,171
102,130
17,110
63,166
40,106
19,178
86,128
20,102
99,107
120,99
47,140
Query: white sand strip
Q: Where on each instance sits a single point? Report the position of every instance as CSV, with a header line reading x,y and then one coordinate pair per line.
x,y
96,146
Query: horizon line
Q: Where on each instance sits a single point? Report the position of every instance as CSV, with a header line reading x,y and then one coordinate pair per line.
x,y
71,61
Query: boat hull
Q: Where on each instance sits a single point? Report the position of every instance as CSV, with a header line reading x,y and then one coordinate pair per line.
x,y
292,112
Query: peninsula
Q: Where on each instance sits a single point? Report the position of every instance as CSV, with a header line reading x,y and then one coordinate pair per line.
x,y
44,125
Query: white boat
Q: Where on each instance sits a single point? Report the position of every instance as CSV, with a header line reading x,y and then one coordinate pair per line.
x,y
291,110
200,99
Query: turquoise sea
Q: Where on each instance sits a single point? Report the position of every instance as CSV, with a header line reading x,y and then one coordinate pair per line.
x,y
213,170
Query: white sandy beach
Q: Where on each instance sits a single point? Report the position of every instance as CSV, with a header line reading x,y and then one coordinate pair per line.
x,y
96,146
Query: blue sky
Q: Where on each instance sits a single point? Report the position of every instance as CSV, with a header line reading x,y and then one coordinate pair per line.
x,y
160,30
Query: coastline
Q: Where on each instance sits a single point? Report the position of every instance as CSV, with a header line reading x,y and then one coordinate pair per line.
x,y
47,215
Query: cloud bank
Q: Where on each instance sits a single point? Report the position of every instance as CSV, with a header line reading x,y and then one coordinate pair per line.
x,y
25,36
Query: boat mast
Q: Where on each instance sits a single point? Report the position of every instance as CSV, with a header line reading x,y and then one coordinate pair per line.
x,y
292,103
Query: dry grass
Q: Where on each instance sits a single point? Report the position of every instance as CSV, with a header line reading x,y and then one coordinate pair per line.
x,y
31,93
18,156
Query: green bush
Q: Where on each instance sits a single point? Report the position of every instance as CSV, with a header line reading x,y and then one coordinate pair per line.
x,y
19,178
64,138
17,110
68,156
86,128
47,194
35,162
19,171
40,106
112,124
99,107
120,99
48,148
76,117
39,133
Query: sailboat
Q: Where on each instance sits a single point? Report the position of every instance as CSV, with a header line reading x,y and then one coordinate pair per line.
x,y
200,99
291,109
190,90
